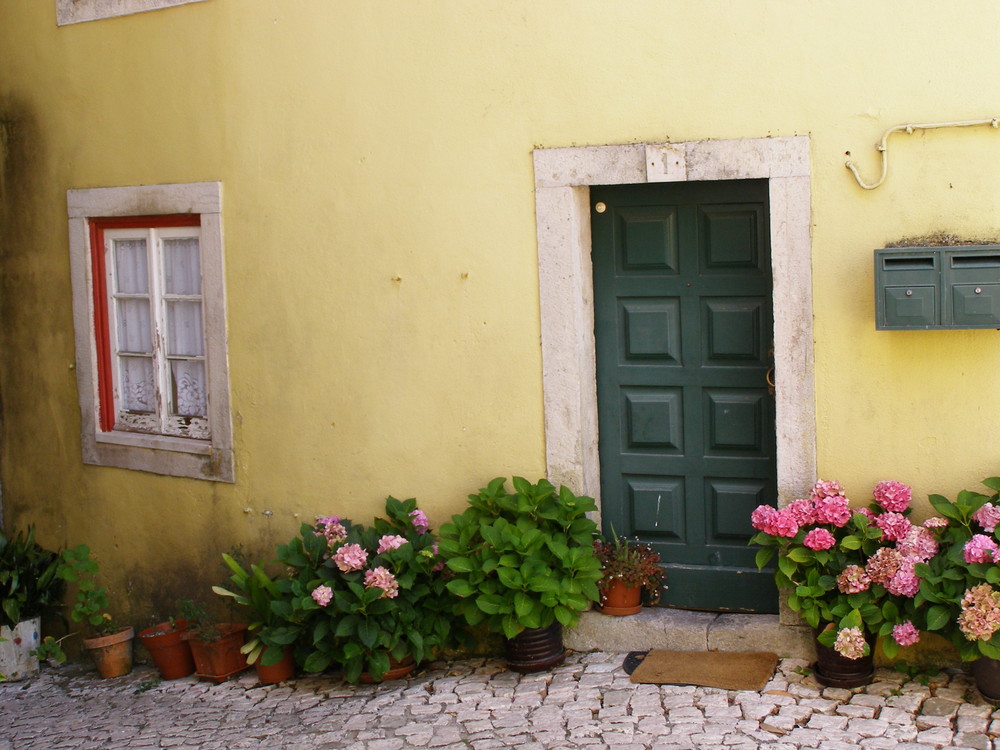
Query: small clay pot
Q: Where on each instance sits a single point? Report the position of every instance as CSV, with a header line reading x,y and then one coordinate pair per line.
x,y
112,653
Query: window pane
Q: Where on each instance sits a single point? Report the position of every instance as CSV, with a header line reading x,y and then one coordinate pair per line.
x,y
184,332
181,266
138,391
134,330
188,389
131,270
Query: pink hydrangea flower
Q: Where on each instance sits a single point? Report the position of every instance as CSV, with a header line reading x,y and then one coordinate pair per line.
x,y
322,595
894,526
802,511
826,489
867,513
331,528
893,496
936,522
904,582
919,543
988,517
784,524
883,565
350,557
851,643
979,549
763,517
420,522
980,617
905,634
853,580
819,539
832,509
390,541
383,579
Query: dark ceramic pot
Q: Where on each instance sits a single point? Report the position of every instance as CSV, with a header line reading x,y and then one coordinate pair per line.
x,y
987,674
535,649
833,670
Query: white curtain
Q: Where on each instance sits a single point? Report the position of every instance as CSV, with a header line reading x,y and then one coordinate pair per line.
x,y
185,334
134,326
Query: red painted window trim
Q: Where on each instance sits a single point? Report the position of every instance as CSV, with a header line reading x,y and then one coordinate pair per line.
x,y
102,322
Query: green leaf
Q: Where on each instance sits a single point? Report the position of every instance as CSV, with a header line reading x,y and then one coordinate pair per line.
x,y
850,542
368,632
764,557
944,507
890,648
460,587
461,565
799,554
786,566
937,617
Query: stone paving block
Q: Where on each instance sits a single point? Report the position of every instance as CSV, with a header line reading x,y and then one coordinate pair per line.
x,y
868,727
937,737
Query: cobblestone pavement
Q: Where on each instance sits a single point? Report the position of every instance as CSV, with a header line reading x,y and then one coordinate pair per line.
x,y
588,702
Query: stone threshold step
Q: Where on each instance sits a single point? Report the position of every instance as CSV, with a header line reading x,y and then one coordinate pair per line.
x,y
686,630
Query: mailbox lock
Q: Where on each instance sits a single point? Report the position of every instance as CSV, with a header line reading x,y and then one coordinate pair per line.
x,y
979,290
909,292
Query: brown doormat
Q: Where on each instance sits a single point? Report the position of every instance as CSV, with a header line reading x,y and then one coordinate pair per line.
x,y
729,671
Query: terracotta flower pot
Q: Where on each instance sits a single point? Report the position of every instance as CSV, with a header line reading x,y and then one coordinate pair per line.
x,y
218,660
112,653
535,649
169,648
619,599
833,670
397,669
274,673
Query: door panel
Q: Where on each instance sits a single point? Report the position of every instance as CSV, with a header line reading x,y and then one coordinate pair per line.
x,y
683,322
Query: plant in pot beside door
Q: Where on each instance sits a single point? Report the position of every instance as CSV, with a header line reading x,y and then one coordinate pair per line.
x,y
630,575
850,572
524,565
109,643
29,588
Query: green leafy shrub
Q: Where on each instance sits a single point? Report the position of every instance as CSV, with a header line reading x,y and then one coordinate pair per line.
x,y
29,582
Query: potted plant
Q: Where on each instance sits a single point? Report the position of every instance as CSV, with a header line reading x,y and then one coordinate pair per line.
x,y
850,572
629,571
372,600
959,598
524,566
29,587
271,635
169,648
216,646
110,644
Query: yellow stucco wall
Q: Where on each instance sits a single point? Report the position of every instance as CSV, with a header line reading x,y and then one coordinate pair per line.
x,y
380,244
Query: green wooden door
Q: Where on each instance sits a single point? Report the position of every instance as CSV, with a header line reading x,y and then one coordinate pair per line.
x,y
683,322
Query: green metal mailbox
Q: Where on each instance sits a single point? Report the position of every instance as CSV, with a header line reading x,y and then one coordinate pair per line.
x,y
926,288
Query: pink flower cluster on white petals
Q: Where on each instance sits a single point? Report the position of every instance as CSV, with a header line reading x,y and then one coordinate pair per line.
x,y
980,617
905,634
420,522
987,516
894,526
980,549
801,511
382,578
774,522
853,580
322,595
883,565
892,496
936,522
819,539
390,541
850,643
350,557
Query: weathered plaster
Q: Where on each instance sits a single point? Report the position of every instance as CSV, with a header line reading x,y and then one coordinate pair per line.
x,y
78,11
562,180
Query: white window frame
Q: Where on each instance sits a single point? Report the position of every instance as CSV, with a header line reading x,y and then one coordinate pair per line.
x,y
210,458
78,11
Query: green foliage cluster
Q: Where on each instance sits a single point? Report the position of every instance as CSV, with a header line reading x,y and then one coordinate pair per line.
x,y
632,563
29,582
91,599
522,559
947,576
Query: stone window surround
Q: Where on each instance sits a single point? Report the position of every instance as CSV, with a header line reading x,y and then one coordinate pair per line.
x,y
78,11
173,456
569,371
